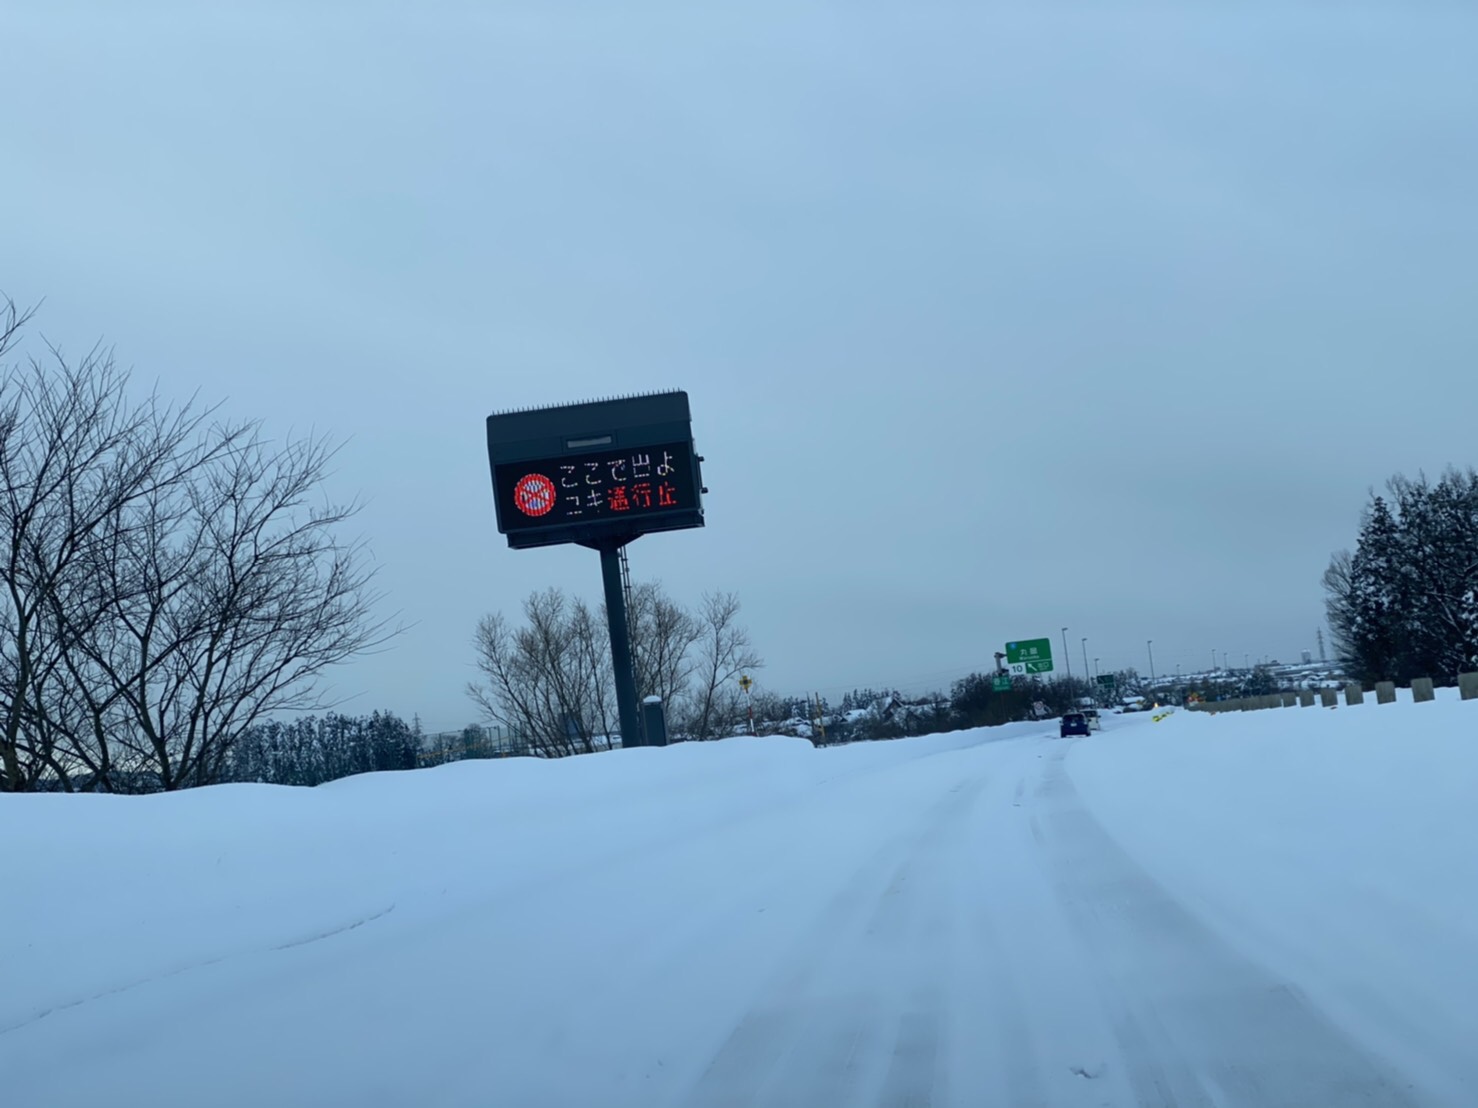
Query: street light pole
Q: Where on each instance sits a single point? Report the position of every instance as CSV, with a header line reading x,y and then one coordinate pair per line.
x,y
1066,658
1085,659
1149,645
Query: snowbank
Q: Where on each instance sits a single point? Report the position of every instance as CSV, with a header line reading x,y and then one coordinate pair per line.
x,y
1333,844
956,919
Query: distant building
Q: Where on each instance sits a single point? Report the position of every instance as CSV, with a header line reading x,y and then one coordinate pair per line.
x,y
1307,657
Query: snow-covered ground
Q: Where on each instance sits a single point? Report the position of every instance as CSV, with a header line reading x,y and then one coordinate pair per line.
x,y
1273,908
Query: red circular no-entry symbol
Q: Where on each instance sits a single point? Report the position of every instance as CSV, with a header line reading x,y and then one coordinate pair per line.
x,y
534,494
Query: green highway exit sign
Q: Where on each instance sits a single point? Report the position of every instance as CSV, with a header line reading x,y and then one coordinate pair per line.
x,y
1000,684
1029,656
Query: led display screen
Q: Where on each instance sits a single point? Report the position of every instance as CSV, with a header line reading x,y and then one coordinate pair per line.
x,y
612,487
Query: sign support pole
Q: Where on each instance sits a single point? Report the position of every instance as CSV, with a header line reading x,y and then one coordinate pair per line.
x,y
621,667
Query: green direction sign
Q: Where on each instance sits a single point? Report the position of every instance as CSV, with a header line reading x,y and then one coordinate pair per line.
x,y
1106,679
1029,656
1000,684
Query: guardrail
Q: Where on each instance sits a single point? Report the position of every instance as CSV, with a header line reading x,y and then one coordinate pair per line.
x,y
1422,690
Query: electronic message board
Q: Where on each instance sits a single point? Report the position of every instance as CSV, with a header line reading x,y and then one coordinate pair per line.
x,y
634,487
595,473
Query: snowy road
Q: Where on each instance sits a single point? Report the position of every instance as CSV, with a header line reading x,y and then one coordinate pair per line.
x,y
934,922
994,945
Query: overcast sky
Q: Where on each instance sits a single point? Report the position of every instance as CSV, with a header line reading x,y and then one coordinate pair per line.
x,y
995,318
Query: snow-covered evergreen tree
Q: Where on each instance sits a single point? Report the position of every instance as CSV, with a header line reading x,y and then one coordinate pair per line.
x,y
1403,604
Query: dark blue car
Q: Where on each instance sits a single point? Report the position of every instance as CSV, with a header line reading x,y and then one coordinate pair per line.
x,y
1074,723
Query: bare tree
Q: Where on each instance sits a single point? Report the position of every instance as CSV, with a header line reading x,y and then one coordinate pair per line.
x,y
547,682
662,637
551,682
231,595
12,319
166,581
724,653
593,642
1340,598
75,457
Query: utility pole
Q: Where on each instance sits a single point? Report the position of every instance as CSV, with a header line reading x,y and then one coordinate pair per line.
x,y
1066,658
1149,644
1085,659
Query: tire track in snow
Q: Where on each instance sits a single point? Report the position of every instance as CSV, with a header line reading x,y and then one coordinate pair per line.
x,y
1017,1072
1198,1024
911,1078
191,967
814,1039
801,1043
